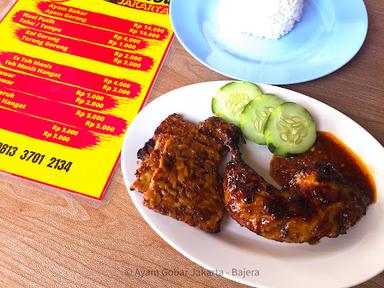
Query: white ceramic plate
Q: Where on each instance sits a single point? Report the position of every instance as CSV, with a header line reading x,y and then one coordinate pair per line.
x,y
342,262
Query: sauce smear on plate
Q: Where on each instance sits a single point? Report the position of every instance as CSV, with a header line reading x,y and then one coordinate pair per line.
x,y
328,148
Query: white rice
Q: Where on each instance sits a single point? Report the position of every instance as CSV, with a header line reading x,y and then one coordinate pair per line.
x,y
269,19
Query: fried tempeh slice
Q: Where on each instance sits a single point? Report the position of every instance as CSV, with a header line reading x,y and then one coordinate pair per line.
x,y
174,124
145,172
186,184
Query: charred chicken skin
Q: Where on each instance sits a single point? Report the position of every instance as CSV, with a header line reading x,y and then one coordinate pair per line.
x,y
317,202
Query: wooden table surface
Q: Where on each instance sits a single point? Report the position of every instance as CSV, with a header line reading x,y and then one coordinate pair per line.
x,y
50,238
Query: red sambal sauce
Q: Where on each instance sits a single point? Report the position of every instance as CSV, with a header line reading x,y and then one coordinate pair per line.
x,y
328,148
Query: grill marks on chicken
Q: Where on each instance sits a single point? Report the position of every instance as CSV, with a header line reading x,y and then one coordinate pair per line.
x,y
317,202
179,174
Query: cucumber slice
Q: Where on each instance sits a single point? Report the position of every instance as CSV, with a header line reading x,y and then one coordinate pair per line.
x,y
255,116
290,129
230,100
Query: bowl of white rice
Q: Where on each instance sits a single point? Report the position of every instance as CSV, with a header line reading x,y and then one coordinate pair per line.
x,y
269,19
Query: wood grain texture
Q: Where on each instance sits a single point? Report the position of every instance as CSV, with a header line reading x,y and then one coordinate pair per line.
x,y
50,238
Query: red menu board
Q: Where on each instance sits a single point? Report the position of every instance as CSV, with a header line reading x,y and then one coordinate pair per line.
x,y
73,75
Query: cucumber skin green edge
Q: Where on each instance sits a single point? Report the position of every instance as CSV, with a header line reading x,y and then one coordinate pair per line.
x,y
268,136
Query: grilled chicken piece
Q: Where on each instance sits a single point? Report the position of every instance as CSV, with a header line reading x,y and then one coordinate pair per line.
x,y
317,202
179,175
227,134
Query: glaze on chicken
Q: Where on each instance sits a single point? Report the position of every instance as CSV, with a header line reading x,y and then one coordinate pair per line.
x,y
317,202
